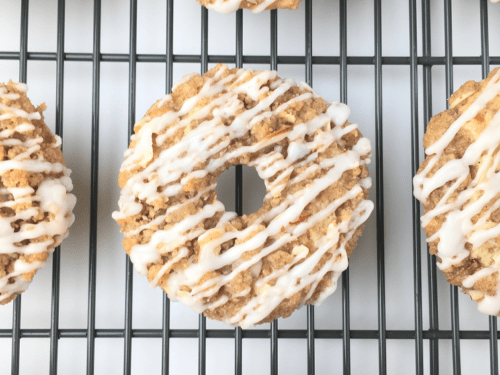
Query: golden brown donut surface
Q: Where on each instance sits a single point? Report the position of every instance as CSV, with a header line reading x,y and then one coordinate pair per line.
x,y
254,268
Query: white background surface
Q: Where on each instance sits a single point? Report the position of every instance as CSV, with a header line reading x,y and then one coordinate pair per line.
x,y
151,86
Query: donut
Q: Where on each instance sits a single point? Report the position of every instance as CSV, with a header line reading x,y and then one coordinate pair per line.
x,y
458,184
35,204
257,6
249,269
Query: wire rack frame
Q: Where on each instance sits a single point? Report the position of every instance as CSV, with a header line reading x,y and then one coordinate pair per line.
x,y
413,61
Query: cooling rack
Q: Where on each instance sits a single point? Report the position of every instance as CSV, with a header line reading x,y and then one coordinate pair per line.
x,y
427,335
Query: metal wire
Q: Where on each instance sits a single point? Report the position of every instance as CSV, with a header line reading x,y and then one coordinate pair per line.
x,y
23,67
346,321
274,66
417,264
94,165
379,198
427,113
56,259
322,334
165,338
129,280
238,333
252,59
310,334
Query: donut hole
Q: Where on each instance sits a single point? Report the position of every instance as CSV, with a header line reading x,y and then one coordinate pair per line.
x,y
254,189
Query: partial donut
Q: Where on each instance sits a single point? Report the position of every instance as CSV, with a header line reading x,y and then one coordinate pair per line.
x,y
458,184
257,6
254,268
35,204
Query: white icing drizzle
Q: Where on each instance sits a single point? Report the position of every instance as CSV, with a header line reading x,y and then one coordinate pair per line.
x,y
230,6
458,228
52,197
212,137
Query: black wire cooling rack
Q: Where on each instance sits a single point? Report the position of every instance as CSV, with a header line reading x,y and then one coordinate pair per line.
x,y
381,335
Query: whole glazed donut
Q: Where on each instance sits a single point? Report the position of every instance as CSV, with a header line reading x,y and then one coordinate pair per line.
x,y
35,204
254,268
